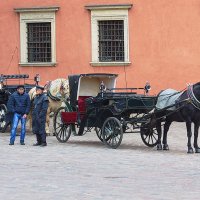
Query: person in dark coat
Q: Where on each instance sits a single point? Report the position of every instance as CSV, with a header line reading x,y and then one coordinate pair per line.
x,y
40,106
18,105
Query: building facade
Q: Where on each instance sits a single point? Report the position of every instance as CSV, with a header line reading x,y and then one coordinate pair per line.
x,y
141,40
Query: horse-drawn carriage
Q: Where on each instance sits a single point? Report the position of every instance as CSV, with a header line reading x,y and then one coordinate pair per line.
x,y
95,103
6,89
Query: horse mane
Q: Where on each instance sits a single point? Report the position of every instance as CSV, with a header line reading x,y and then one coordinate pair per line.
x,y
55,87
194,93
197,84
52,88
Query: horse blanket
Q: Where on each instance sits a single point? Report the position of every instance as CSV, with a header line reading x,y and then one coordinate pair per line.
x,y
167,98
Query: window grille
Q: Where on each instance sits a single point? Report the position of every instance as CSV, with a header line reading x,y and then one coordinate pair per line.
x,y
111,41
39,42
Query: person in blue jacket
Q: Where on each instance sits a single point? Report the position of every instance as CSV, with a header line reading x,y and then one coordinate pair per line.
x,y
40,106
19,105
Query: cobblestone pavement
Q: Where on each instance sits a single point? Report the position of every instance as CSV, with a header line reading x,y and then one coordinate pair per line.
x,y
83,168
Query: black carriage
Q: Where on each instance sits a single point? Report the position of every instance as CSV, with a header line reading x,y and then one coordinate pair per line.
x,y
95,103
8,85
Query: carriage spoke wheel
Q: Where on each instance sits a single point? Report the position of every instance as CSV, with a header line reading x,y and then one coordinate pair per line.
x,y
3,111
112,132
62,131
149,135
99,133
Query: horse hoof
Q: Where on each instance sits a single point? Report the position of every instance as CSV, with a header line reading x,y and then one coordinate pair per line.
x,y
159,147
197,150
54,134
166,147
190,150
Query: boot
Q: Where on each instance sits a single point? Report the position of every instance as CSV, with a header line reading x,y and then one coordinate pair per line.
x,y
43,140
38,143
43,144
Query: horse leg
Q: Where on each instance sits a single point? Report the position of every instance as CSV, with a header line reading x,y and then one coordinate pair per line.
x,y
189,135
166,129
47,125
196,132
159,130
47,121
29,119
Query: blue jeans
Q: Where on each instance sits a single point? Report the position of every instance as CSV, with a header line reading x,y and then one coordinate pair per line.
x,y
16,119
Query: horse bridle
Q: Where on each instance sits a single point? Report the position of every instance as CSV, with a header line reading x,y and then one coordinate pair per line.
x,y
62,87
53,97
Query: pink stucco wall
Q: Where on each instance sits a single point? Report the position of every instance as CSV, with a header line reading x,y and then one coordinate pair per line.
x,y
164,41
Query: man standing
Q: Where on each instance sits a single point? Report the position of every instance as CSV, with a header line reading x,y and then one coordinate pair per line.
x,y
39,113
19,105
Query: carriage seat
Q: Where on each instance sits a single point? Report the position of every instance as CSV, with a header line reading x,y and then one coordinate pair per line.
x,y
82,104
72,117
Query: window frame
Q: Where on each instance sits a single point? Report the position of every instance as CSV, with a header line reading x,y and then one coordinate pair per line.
x,y
37,49
105,13
36,15
104,41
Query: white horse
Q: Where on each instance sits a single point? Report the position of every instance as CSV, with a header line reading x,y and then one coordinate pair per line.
x,y
58,92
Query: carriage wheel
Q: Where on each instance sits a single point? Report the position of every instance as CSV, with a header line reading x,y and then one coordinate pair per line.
x,y
99,133
149,135
3,124
112,132
62,131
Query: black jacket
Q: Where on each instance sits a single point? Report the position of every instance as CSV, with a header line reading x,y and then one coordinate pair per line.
x,y
40,106
19,103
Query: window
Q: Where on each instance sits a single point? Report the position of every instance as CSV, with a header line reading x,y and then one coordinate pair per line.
x,y
37,36
39,42
111,41
110,36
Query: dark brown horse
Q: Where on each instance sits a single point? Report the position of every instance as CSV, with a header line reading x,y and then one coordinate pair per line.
x,y
188,111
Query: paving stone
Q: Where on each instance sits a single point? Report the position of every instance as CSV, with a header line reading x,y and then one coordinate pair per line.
x,y
83,168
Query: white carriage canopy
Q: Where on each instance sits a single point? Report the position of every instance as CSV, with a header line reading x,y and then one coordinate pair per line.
x,y
89,84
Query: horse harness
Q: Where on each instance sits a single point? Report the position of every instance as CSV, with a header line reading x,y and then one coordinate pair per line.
x,y
181,103
49,93
193,100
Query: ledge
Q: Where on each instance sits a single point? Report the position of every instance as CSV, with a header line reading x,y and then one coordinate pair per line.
x,y
38,64
96,64
108,6
37,9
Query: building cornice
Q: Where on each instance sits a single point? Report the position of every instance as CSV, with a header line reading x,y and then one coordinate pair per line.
x,y
37,9
108,6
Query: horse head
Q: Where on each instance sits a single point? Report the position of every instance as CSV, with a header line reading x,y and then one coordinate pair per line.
x,y
59,89
64,88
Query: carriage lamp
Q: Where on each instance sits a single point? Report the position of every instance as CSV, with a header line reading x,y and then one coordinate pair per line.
x,y
37,78
147,87
102,88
